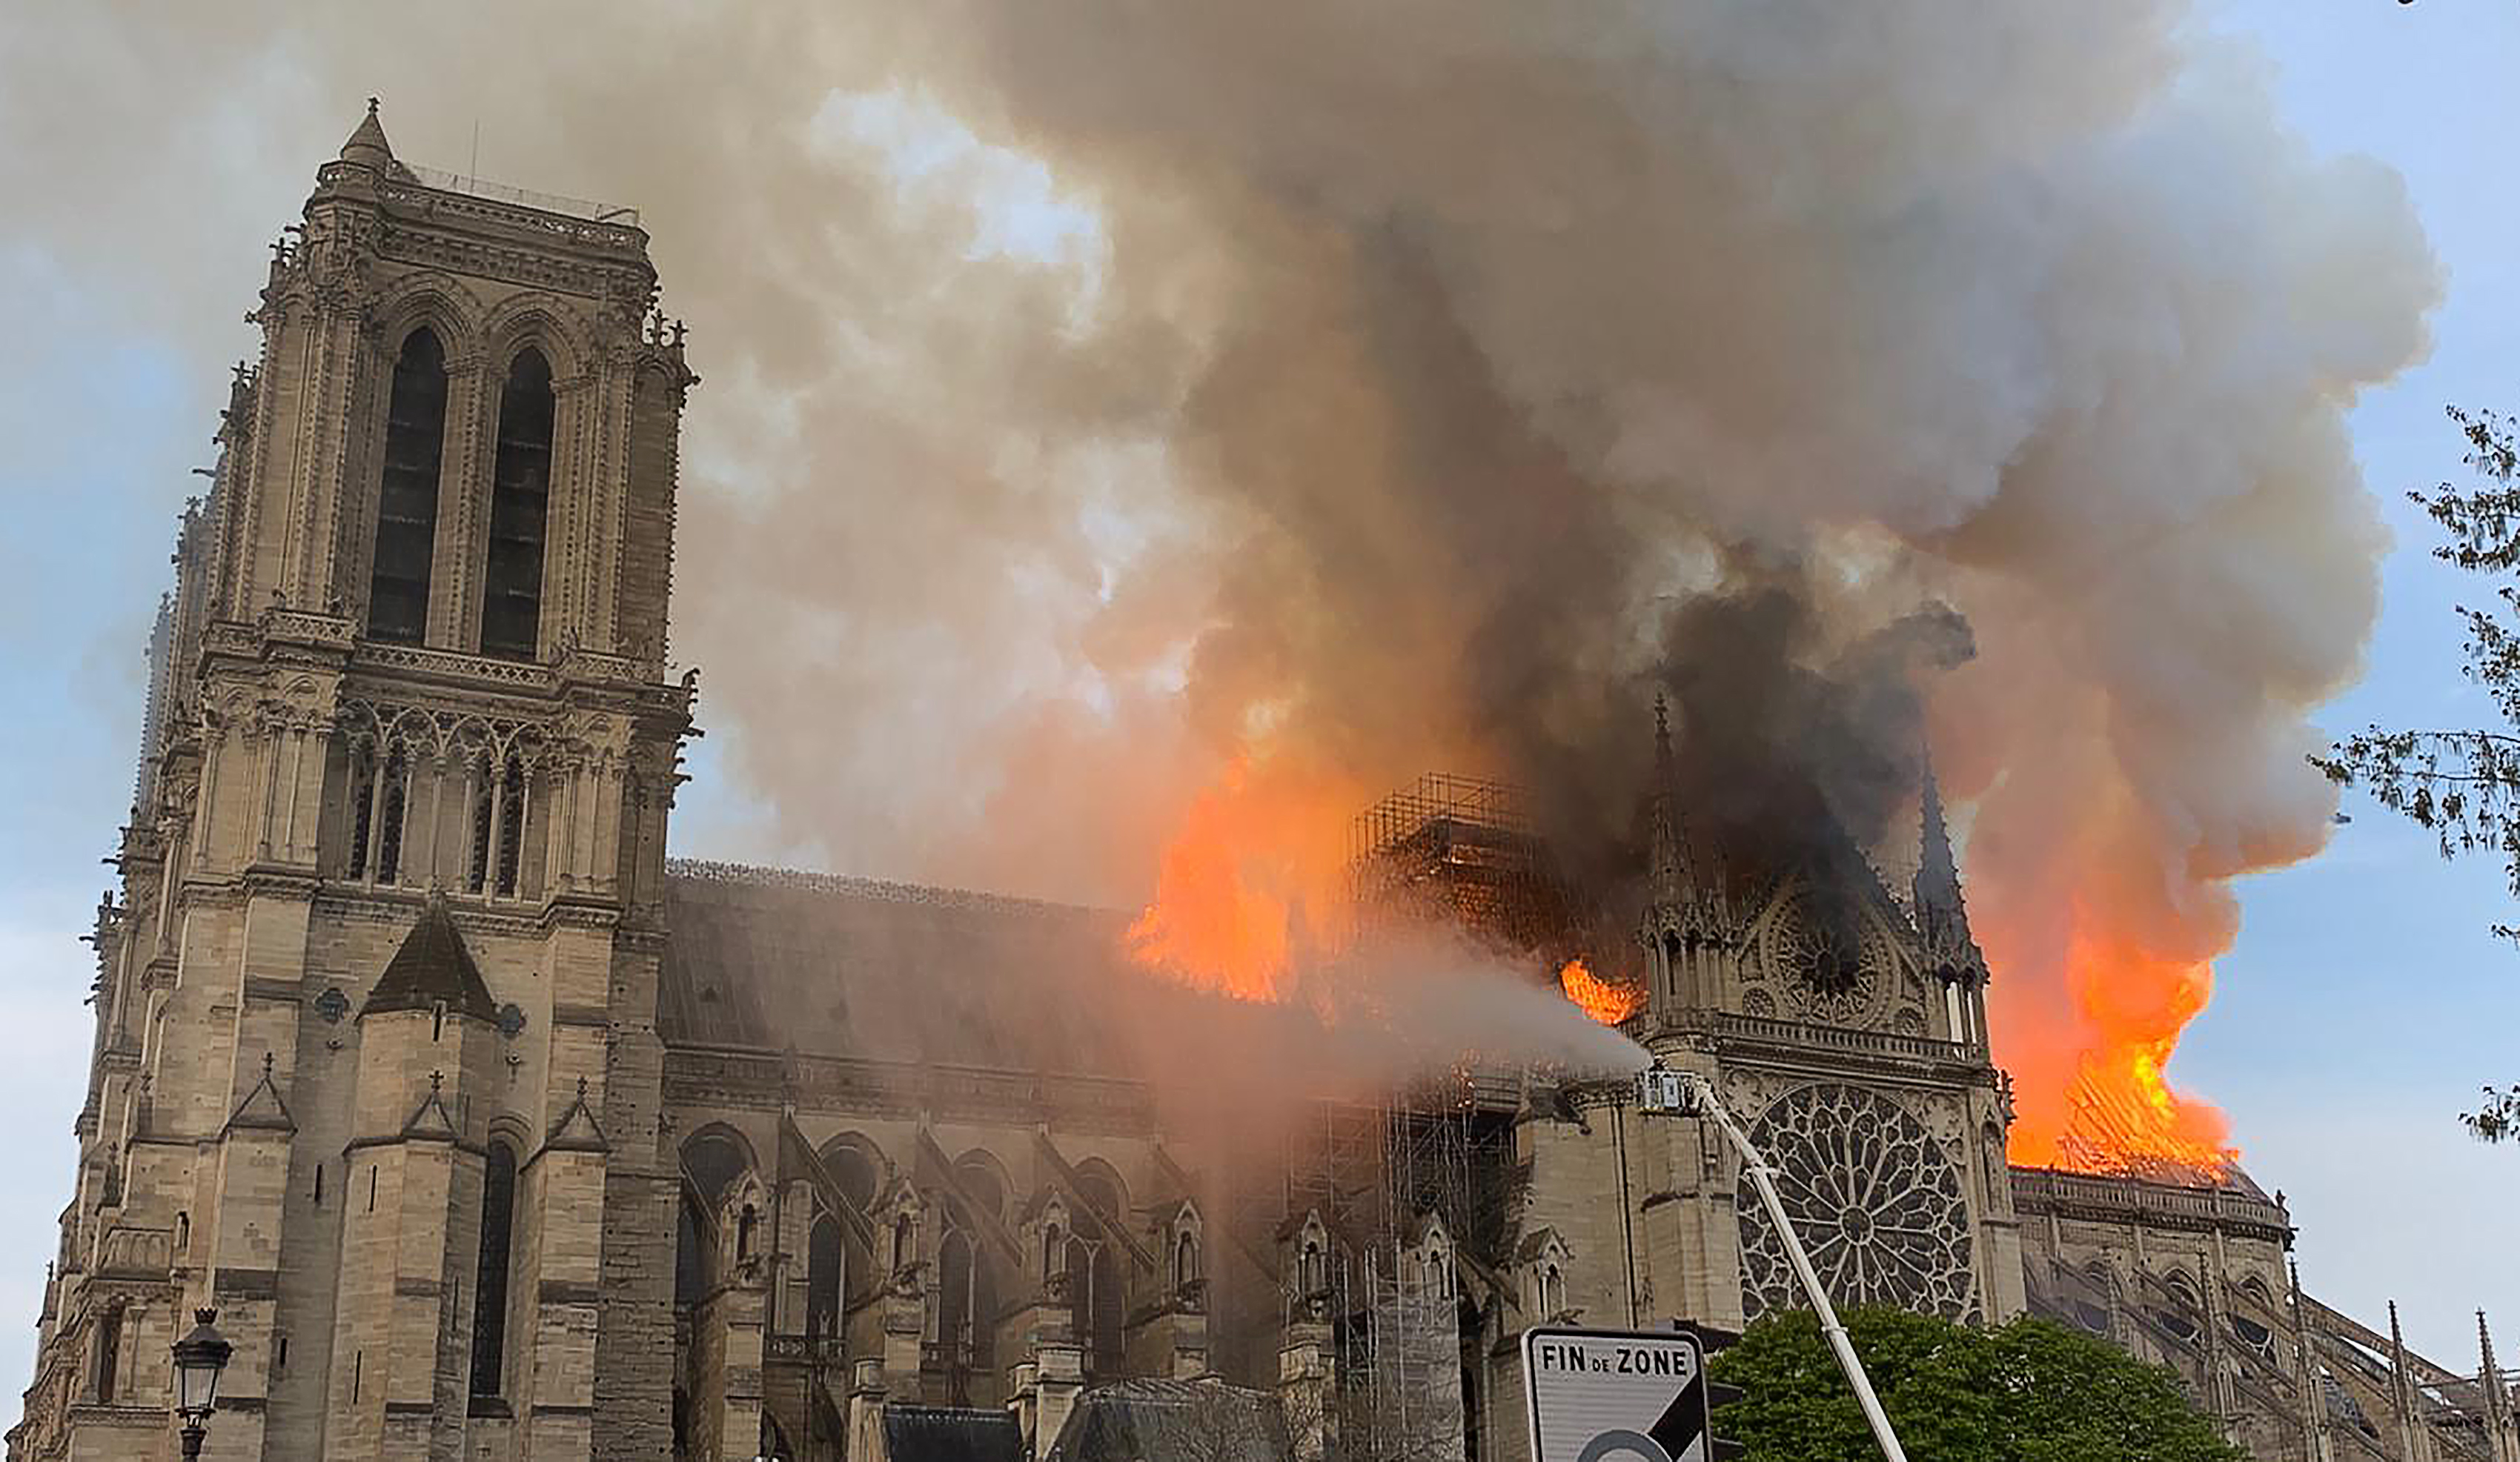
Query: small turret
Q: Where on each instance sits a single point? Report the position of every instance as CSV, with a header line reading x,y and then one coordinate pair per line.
x,y
1687,928
2401,1388
2500,1443
367,146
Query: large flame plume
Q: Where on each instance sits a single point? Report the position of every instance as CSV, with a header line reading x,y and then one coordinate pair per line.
x,y
1105,395
1244,888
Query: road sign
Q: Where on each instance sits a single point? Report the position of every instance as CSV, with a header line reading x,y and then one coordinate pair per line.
x,y
1615,1395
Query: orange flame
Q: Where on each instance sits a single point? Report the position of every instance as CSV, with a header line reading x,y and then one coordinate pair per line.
x,y
1597,997
1251,884
2093,1097
1249,880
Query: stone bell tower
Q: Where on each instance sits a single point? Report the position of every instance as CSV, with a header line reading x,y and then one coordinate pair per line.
x,y
376,1069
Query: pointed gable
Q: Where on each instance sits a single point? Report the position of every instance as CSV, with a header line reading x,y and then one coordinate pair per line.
x,y
576,1130
432,967
262,1109
431,1119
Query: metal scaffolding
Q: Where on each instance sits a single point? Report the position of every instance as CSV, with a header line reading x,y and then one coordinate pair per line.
x,y
1445,849
1459,850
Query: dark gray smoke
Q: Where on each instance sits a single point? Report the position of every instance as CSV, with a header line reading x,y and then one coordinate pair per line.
x,y
1098,391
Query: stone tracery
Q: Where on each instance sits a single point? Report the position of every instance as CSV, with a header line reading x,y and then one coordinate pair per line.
x,y
1875,1199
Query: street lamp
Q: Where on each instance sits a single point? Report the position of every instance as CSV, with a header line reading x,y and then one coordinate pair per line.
x,y
199,1358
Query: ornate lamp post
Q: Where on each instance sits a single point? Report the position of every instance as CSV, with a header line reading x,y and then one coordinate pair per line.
x,y
199,1358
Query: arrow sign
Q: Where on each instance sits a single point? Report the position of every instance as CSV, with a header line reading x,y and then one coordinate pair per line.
x,y
1615,1395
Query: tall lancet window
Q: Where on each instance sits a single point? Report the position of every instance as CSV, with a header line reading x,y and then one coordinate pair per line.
x,y
490,1276
407,498
512,581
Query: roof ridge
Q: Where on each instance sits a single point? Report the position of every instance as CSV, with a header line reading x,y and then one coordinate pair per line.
x,y
809,881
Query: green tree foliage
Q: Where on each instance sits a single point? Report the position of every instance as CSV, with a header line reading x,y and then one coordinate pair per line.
x,y
2465,784
2030,1392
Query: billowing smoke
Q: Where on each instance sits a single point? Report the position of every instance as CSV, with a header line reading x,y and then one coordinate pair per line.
x,y
1105,395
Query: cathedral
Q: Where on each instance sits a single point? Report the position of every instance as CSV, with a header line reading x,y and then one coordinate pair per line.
x,y
489,1132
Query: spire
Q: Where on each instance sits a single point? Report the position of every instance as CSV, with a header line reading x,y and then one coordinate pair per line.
x,y
1941,917
2489,1376
1938,872
2313,1406
2401,1387
1669,863
367,146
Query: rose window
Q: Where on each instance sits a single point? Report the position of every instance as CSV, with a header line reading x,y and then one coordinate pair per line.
x,y
1877,1203
1830,957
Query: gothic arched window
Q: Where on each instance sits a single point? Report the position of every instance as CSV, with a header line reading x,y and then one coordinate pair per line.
x,y
1097,1306
978,1180
822,1255
512,795
490,1275
363,807
109,1354
1100,1187
714,1159
512,579
407,492
483,776
956,1319
498,822
692,1254
392,794
853,1170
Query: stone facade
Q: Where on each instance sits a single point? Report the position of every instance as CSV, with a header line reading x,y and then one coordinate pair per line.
x,y
491,1134
261,1133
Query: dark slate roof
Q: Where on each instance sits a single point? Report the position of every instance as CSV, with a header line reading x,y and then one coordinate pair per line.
x,y
950,1434
432,965
1151,1418
833,966
772,961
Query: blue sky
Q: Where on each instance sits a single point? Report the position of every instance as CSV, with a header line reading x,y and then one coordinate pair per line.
x,y
2363,1005
2366,999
